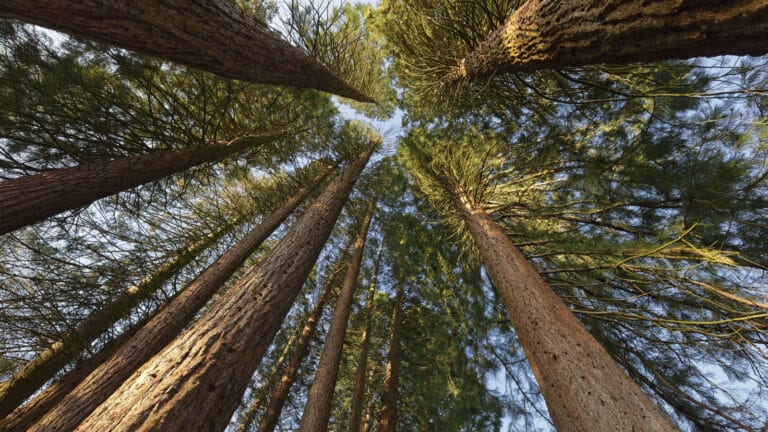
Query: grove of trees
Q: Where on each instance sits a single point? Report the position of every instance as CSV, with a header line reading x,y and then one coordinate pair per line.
x,y
563,225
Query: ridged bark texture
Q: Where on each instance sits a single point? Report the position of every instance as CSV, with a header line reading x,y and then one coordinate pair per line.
x,y
212,35
584,388
47,363
163,327
318,406
34,198
550,34
195,383
358,397
389,397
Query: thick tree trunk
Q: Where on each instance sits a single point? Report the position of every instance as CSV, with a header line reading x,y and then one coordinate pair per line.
x,y
549,34
31,199
584,388
389,397
197,380
280,394
356,410
47,363
212,35
318,406
163,327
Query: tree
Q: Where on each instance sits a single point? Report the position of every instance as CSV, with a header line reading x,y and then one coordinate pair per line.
x,y
389,397
216,37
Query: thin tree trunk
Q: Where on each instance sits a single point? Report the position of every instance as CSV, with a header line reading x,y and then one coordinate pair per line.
x,y
389,397
197,380
34,198
371,405
549,34
47,363
280,394
318,406
356,410
584,388
212,35
168,322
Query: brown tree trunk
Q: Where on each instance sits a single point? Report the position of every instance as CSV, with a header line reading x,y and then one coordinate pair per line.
x,y
584,388
197,380
47,363
212,35
389,397
356,410
280,394
163,327
371,405
550,34
34,198
318,406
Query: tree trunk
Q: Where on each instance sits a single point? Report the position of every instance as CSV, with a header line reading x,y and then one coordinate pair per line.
x,y
318,406
550,34
47,363
584,388
388,420
280,394
356,410
163,327
371,405
197,380
34,198
213,35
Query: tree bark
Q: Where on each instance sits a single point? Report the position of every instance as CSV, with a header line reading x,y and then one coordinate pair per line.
x,y
356,410
318,406
371,405
550,34
196,381
389,397
213,35
280,394
584,388
31,199
169,321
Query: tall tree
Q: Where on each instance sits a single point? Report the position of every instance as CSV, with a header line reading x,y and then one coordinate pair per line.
x,y
389,396
214,36
205,370
317,409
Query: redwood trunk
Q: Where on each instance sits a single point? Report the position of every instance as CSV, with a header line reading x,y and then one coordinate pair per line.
x,y
168,322
212,35
197,380
34,198
358,398
281,392
584,388
550,34
389,397
318,406
370,407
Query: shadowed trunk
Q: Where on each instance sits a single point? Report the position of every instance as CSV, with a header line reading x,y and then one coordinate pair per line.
x,y
318,406
197,380
168,322
551,34
370,407
584,388
356,410
213,35
389,397
34,198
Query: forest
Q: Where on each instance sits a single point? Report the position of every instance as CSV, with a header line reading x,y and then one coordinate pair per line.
x,y
419,215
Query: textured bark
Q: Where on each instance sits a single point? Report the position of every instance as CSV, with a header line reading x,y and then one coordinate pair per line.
x,y
389,397
356,409
34,198
195,383
548,34
280,394
212,35
318,406
159,331
584,388
371,405
47,363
